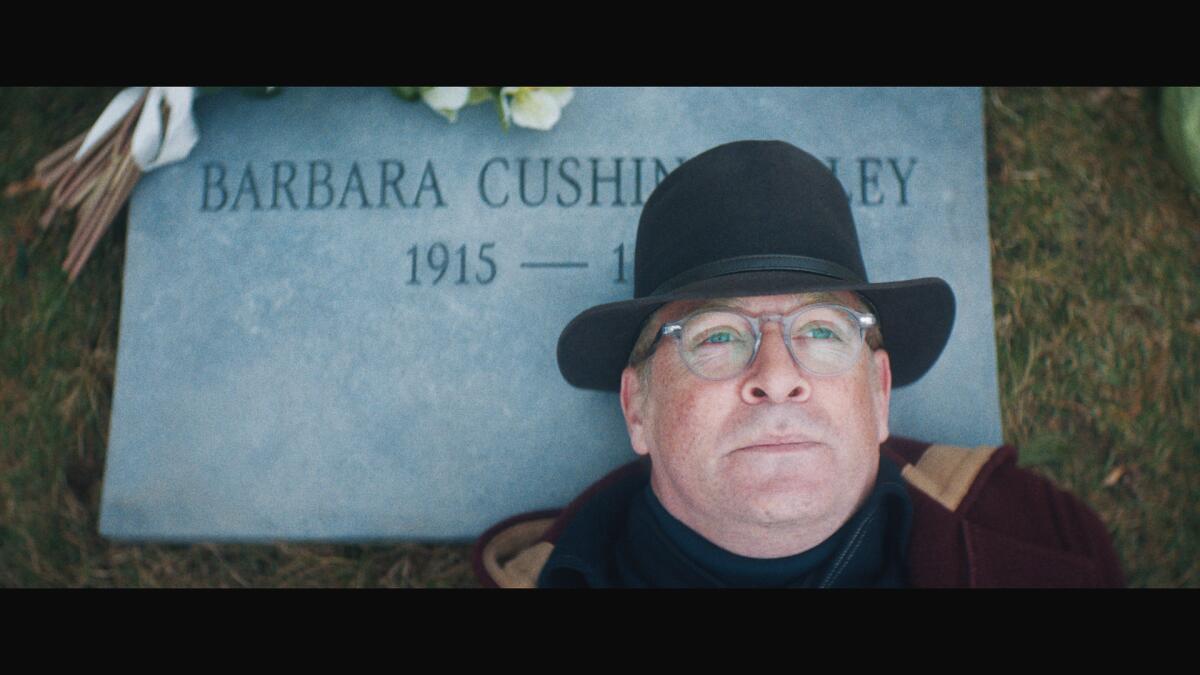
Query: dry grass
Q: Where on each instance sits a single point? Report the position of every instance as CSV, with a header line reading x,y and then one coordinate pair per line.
x,y
1095,247
1095,252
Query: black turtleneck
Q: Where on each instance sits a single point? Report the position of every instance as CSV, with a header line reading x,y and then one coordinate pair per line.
x,y
630,540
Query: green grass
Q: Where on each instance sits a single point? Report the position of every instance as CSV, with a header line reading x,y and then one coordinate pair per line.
x,y
1095,252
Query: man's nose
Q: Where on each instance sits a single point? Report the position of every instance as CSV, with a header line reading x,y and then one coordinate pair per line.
x,y
774,376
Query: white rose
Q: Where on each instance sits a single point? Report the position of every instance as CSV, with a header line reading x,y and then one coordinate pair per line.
x,y
535,107
446,100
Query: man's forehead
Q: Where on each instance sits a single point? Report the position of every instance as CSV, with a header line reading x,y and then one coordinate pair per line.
x,y
680,308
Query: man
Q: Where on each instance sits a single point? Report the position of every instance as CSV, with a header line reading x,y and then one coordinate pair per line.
x,y
755,387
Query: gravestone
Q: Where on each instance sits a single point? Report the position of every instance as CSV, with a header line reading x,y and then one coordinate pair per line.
x,y
340,313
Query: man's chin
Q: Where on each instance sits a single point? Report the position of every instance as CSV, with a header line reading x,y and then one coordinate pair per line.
x,y
784,511
783,491
779,478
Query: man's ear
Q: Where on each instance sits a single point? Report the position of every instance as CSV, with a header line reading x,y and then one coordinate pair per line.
x,y
881,389
632,406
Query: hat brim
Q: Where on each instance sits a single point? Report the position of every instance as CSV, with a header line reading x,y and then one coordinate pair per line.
x,y
915,316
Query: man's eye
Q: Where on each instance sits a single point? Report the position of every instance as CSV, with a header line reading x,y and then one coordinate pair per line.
x,y
818,333
717,337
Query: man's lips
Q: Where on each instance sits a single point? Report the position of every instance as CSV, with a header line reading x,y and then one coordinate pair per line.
x,y
779,445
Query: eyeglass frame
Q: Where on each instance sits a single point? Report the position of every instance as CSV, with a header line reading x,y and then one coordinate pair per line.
x,y
865,321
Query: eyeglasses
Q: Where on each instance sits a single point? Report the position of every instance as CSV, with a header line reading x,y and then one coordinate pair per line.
x,y
823,339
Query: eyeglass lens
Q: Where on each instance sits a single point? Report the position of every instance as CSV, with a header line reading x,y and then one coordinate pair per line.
x,y
719,345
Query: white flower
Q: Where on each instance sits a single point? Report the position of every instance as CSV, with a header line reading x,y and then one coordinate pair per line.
x,y
153,144
535,107
446,100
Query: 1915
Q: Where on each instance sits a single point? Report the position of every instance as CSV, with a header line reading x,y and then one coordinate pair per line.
x,y
439,259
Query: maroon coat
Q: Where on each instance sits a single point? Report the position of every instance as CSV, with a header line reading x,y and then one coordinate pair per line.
x,y
978,521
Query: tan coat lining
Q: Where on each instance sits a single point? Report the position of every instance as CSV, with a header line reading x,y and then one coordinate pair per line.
x,y
514,557
946,472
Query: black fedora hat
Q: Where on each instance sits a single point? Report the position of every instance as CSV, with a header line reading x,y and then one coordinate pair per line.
x,y
752,218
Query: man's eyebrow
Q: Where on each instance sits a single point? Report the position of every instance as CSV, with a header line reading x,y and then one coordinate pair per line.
x,y
716,304
733,303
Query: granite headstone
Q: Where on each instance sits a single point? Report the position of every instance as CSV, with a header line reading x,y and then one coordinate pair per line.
x,y
340,312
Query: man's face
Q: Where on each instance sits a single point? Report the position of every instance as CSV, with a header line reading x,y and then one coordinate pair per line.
x,y
772,450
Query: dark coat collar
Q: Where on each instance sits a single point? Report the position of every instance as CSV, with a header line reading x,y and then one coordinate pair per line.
x,y
623,538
